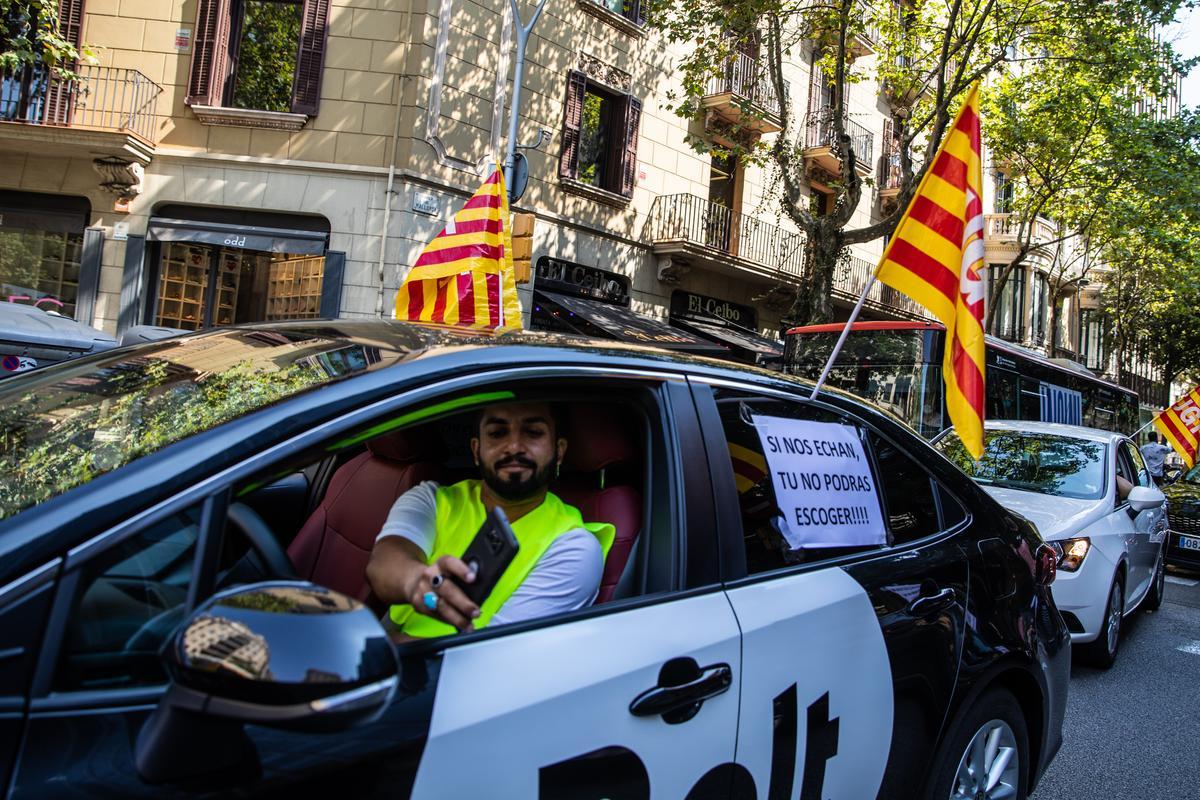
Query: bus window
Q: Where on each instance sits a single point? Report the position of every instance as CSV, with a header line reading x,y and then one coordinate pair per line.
x,y
1002,392
1031,399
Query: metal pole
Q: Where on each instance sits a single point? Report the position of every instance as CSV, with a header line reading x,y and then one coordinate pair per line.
x,y
514,111
837,348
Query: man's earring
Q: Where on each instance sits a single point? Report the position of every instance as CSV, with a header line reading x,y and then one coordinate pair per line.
x,y
557,468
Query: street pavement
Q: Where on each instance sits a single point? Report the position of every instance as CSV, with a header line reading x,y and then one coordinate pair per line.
x,y
1134,731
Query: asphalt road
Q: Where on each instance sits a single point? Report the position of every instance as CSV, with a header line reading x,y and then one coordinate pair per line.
x,y
1134,731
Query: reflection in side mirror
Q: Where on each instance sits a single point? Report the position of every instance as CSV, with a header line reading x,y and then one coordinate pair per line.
x,y
287,654
1145,498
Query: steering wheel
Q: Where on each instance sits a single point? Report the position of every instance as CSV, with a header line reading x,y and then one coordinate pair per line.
x,y
266,558
263,544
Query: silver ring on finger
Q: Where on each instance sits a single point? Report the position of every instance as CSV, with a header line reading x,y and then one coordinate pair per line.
x,y
437,580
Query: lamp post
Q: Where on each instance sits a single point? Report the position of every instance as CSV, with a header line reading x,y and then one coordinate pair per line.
x,y
514,111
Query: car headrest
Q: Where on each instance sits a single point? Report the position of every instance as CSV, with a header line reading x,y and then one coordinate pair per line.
x,y
597,438
403,445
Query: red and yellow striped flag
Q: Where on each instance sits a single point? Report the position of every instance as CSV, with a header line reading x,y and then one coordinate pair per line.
x,y
465,275
935,257
1180,423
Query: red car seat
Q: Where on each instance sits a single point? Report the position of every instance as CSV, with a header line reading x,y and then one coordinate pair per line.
x,y
333,547
600,444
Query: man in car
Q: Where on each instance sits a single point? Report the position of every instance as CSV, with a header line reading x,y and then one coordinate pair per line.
x,y
518,448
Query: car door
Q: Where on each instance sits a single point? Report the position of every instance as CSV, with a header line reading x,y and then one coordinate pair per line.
x,y
850,653
599,704
1149,526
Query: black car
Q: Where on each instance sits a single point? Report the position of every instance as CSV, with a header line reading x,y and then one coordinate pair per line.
x,y
1183,517
803,598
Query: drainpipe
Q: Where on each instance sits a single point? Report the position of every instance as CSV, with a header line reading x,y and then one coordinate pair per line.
x,y
387,203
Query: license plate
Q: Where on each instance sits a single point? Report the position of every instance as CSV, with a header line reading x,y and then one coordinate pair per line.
x,y
1189,543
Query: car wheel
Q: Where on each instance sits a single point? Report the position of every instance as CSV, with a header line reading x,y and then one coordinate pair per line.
x,y
1103,652
1158,589
987,753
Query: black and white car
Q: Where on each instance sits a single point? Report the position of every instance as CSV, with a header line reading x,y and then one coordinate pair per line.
x,y
804,599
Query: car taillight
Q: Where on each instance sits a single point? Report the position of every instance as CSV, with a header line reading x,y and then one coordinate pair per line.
x,y
1047,565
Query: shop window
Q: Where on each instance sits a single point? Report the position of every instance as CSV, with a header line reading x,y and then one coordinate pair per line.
x,y
41,268
600,137
202,286
265,55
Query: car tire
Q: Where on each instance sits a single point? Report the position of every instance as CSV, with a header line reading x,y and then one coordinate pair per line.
x,y
1158,587
1102,653
992,732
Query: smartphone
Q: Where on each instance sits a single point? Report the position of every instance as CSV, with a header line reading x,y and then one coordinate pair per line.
x,y
489,554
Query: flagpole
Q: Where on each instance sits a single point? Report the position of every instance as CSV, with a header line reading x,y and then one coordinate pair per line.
x,y
514,111
837,348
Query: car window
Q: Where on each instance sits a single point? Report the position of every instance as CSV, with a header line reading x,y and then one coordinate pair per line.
x,y
80,420
1034,462
1139,464
128,600
907,493
832,507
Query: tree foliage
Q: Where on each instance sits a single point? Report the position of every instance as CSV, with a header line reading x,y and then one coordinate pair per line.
x,y
926,56
30,35
266,61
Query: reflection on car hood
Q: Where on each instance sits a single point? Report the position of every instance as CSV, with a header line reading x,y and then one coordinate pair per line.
x,y
1055,517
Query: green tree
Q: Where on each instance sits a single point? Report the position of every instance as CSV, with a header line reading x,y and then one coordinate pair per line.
x,y
928,56
30,34
266,61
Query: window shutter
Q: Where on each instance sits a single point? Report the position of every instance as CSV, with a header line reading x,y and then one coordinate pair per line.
x,y
633,118
816,87
642,13
310,62
568,160
60,94
210,53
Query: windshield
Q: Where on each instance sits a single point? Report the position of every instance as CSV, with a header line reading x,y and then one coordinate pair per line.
x,y
75,421
1034,462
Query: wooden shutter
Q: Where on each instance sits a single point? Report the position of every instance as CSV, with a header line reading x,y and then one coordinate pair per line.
x,y
816,87
568,160
633,119
210,53
641,13
310,62
60,94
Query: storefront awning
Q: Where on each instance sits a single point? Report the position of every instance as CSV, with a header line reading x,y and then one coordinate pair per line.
x,y
245,237
737,338
605,320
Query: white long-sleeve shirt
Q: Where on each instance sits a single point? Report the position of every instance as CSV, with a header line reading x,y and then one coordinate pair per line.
x,y
565,578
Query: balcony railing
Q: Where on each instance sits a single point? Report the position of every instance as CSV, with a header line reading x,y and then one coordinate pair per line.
x,y
1007,226
852,274
97,98
891,175
821,132
745,78
692,219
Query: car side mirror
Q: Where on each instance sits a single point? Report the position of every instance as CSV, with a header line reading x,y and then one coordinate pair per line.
x,y
1145,498
287,654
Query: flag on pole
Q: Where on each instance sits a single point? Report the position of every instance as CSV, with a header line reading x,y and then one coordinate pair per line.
x,y
1180,423
465,275
935,257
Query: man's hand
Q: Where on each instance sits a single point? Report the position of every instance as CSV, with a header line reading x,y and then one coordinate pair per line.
x,y
398,574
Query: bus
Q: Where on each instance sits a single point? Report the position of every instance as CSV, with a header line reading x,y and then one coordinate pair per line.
x,y
898,365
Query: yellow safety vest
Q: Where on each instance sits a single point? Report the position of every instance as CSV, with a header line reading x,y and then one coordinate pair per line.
x,y
460,514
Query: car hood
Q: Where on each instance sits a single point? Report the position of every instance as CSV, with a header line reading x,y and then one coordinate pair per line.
x,y
1055,517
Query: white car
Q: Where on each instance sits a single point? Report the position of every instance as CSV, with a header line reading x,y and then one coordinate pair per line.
x,y
1094,502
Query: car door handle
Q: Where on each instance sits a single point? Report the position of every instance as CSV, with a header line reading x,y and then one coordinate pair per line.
x,y
931,604
679,702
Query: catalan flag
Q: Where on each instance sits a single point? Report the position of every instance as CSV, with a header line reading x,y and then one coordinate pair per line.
x,y
1180,423
935,257
465,275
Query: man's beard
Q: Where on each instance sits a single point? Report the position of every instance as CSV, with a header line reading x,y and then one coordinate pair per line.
x,y
513,488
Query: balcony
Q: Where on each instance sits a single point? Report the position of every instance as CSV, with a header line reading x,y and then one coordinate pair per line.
x,y
744,96
105,111
823,154
852,274
891,176
1001,234
686,230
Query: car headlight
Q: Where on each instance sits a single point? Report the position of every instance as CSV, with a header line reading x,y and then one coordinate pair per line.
x,y
1071,552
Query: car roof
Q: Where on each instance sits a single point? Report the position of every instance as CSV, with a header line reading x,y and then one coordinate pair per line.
x,y
1054,429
